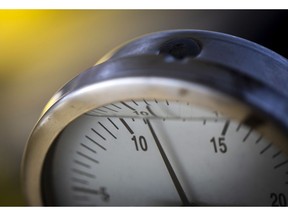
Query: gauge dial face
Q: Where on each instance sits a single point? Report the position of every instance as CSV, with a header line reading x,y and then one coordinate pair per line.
x,y
162,152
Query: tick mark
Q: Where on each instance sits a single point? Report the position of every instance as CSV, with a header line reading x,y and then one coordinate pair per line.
x,y
150,111
131,108
113,123
276,154
101,110
248,134
80,172
146,102
225,128
239,126
266,148
94,112
93,141
107,130
281,164
82,164
116,106
110,109
102,192
98,134
88,148
87,157
259,139
135,103
81,181
126,125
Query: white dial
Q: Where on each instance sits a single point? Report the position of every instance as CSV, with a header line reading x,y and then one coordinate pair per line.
x,y
164,152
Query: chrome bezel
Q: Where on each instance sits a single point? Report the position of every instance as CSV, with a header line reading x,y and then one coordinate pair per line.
x,y
83,100
156,77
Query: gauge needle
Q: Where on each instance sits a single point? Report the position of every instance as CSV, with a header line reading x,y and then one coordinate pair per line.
x,y
175,180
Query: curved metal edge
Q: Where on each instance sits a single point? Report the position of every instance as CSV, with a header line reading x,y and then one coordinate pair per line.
x,y
229,81
83,100
241,55
149,44
244,57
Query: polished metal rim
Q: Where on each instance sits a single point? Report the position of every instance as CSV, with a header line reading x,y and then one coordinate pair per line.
x,y
91,97
134,72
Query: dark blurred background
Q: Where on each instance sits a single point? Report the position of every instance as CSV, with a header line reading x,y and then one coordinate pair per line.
x,y
40,50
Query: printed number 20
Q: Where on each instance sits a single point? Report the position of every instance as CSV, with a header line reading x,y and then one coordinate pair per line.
x,y
278,199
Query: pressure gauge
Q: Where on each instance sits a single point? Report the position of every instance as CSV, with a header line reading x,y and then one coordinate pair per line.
x,y
181,117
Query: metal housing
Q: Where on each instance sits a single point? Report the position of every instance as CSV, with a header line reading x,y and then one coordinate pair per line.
x,y
239,78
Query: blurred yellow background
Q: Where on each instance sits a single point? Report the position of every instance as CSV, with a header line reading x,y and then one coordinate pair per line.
x,y
40,50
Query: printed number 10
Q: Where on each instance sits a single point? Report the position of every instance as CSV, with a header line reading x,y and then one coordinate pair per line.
x,y
140,143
